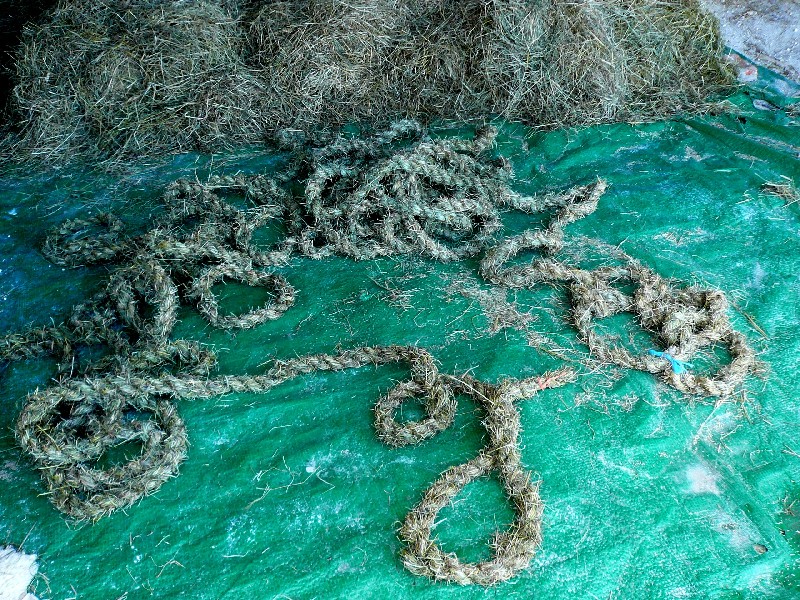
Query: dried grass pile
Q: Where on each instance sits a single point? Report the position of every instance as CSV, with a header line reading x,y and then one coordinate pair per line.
x,y
132,77
550,63
323,59
560,63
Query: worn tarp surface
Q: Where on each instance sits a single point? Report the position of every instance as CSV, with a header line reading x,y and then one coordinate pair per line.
x,y
648,493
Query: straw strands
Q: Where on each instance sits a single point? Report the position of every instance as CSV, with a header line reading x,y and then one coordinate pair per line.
x,y
124,78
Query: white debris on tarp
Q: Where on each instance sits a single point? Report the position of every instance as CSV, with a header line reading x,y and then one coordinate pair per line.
x,y
17,569
765,30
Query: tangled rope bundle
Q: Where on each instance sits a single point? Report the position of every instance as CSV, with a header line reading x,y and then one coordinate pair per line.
x,y
684,320
395,193
366,198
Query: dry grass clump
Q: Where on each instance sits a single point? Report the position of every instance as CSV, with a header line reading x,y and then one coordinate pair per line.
x,y
130,77
550,63
432,66
784,188
570,63
323,60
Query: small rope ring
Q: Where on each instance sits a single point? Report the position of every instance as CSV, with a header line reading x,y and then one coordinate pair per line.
x,y
208,305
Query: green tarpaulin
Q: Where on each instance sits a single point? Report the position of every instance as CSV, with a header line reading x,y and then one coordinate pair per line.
x,y
648,493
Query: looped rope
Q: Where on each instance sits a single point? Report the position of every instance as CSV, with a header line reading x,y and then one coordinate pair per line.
x,y
208,306
512,549
145,282
440,410
77,242
684,320
217,220
397,192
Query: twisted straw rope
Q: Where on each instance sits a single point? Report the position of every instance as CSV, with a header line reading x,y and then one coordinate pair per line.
x,y
362,198
684,320
97,407
366,199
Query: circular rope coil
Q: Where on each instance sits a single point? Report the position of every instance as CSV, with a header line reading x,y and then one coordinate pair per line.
x,y
201,290
67,429
438,403
77,242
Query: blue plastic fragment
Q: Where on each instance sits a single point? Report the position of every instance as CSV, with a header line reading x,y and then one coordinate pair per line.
x,y
678,366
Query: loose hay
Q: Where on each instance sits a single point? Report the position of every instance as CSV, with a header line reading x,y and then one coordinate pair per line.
x,y
144,77
549,64
130,78
785,189
366,198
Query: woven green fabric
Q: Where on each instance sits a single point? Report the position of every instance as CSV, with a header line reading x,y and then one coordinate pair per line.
x,y
648,493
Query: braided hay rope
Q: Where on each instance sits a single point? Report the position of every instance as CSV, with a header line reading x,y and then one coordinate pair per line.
x,y
393,193
512,550
684,320
126,78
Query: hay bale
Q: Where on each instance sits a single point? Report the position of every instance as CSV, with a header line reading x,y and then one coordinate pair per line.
x,y
554,60
322,59
556,63
332,62
132,78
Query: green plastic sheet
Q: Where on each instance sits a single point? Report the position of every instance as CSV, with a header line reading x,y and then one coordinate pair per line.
x,y
288,494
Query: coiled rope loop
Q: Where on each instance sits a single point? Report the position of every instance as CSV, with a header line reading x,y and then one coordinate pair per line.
x,y
684,320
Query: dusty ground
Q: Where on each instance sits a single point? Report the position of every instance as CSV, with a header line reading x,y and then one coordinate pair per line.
x,y
767,31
